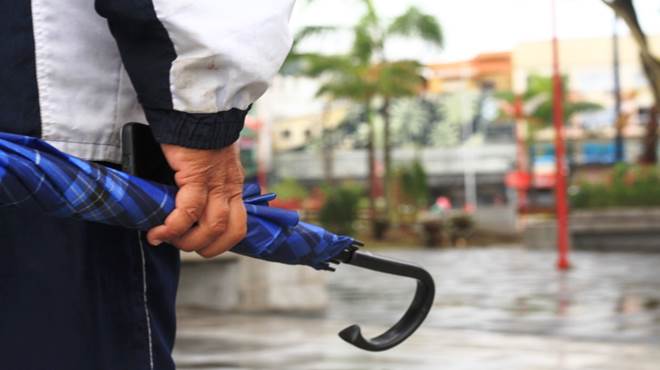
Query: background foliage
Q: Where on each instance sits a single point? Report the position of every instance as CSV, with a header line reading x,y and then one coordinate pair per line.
x,y
629,186
340,210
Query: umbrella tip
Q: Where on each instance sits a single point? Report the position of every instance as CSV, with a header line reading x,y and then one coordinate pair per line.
x,y
350,334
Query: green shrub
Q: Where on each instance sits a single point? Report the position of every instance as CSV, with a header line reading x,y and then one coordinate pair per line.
x,y
288,189
629,186
414,184
340,210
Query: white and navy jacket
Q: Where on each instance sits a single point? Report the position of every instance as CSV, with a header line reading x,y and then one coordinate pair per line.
x,y
74,71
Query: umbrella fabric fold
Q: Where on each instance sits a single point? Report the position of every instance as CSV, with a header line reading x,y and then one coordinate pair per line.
x,y
32,172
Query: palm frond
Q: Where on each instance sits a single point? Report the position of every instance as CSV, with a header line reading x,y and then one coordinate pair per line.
x,y
399,79
573,108
537,85
415,23
346,87
315,65
543,113
309,31
507,96
295,60
371,15
363,43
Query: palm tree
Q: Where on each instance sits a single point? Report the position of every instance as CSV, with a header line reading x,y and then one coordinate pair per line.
x,y
350,78
346,77
539,94
398,79
537,105
364,73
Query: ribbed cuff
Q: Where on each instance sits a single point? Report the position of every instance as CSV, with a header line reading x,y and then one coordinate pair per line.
x,y
196,130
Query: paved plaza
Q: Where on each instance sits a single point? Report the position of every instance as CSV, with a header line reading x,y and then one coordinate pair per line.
x,y
496,308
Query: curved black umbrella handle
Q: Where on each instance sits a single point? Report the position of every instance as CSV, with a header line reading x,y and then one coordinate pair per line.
x,y
414,316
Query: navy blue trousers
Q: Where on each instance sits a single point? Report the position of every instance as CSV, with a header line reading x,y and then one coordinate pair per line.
x,y
76,295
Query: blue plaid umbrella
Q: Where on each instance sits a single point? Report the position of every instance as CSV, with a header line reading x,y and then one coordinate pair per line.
x,y
32,171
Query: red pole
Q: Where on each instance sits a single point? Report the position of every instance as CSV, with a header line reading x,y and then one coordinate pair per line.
x,y
561,203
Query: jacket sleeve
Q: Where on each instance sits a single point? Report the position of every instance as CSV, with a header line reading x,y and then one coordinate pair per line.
x,y
198,65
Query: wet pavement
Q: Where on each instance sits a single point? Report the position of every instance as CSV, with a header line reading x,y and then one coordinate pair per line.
x,y
495,308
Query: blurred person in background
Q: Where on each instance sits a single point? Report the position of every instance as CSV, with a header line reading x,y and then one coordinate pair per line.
x,y
76,295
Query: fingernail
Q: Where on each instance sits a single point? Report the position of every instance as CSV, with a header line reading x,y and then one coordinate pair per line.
x,y
157,243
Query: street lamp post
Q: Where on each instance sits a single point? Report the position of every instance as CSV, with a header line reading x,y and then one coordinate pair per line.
x,y
561,202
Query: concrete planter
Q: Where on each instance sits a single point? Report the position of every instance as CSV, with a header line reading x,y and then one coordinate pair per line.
x,y
212,284
614,229
621,229
232,282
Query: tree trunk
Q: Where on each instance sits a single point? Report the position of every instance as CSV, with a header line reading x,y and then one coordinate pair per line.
x,y
625,9
650,153
387,148
327,147
650,147
371,163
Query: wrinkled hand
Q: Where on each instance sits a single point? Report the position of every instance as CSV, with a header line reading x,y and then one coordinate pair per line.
x,y
209,217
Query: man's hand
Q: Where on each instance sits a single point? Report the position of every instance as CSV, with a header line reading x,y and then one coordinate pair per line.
x,y
209,217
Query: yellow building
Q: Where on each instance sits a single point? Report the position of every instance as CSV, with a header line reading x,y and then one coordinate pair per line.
x,y
295,132
588,63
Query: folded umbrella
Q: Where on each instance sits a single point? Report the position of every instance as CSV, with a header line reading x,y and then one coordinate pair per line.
x,y
65,186
33,172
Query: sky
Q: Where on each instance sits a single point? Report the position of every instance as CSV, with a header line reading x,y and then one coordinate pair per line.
x,y
471,27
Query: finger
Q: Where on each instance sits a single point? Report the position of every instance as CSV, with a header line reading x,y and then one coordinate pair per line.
x,y
190,204
236,230
211,225
154,235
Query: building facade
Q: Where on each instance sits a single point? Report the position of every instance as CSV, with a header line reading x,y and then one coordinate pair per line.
x,y
487,69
